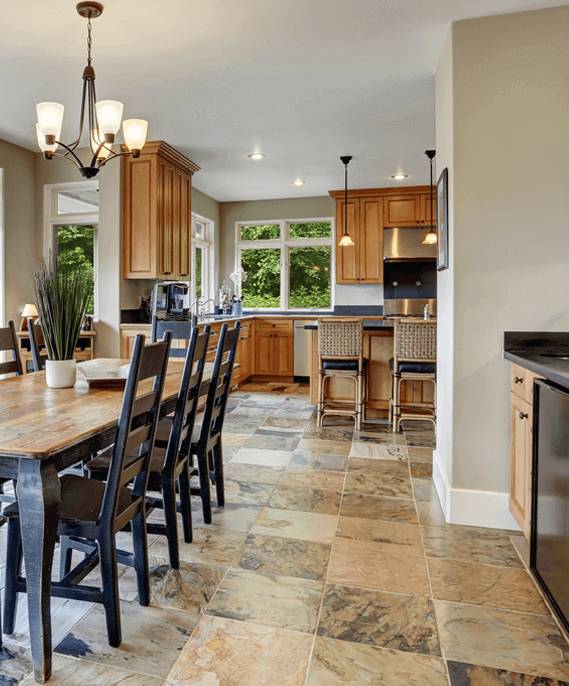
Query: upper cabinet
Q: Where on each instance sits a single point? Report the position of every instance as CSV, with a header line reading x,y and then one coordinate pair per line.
x,y
369,212
156,213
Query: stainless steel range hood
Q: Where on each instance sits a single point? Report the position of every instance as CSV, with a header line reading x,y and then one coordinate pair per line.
x,y
405,245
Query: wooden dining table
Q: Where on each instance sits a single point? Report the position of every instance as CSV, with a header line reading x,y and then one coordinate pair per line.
x,y
42,432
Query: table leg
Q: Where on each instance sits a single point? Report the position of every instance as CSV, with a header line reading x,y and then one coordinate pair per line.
x,y
38,496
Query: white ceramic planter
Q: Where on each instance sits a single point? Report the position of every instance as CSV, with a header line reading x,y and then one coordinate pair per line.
x,y
60,373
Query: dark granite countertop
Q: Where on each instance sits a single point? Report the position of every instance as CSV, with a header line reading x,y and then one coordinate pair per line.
x,y
543,353
368,324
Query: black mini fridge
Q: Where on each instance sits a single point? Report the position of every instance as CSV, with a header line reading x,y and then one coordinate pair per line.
x,y
549,551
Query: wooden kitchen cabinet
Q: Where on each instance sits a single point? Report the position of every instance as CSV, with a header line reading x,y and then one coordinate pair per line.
x,y
362,262
156,213
273,348
369,212
244,356
521,417
521,445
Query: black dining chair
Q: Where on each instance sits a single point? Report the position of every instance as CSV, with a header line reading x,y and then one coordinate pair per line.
x,y
206,446
91,513
37,341
169,467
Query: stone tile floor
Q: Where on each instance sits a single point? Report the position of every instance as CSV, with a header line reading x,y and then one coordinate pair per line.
x,y
330,564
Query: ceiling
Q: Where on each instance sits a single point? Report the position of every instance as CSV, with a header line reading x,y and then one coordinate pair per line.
x,y
302,80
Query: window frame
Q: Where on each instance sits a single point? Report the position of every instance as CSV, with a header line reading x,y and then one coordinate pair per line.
x,y
207,243
284,244
52,220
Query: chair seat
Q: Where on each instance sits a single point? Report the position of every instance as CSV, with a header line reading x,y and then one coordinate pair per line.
x,y
81,500
414,367
331,365
102,461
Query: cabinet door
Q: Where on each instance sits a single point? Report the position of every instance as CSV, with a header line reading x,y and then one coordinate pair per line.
x,y
347,267
402,210
283,361
166,218
520,461
139,215
425,207
264,353
371,240
184,225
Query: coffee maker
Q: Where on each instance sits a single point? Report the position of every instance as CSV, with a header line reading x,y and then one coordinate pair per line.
x,y
171,300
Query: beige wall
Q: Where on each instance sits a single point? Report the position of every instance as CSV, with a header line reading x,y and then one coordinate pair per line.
x,y
21,240
288,208
503,121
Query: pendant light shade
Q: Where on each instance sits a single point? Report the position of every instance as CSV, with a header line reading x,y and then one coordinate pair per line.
x,y
431,236
346,240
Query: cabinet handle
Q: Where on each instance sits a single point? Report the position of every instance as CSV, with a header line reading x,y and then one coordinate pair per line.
x,y
167,272
183,274
518,379
523,415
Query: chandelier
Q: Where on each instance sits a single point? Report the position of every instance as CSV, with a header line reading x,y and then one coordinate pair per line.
x,y
103,118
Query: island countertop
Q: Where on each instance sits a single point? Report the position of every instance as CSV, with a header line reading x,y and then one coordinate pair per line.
x,y
543,353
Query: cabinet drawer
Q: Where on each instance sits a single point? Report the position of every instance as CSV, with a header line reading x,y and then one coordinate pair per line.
x,y
273,325
521,382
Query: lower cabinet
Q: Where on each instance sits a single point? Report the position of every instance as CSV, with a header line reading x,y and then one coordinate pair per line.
x,y
521,420
244,358
273,348
128,336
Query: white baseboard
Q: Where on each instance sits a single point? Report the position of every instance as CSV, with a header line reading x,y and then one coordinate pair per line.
x,y
470,507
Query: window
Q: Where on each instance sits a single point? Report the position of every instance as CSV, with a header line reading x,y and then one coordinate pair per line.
x,y
202,286
71,218
289,264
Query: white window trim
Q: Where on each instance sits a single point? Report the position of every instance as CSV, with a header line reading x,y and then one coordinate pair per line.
x,y
209,244
51,219
284,243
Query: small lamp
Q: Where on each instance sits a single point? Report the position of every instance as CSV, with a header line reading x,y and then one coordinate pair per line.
x,y
28,311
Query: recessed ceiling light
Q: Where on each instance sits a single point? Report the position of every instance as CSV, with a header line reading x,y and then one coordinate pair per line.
x,y
298,182
256,155
400,176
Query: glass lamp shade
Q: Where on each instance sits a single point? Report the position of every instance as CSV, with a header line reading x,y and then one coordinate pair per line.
x,y
109,116
135,131
96,140
44,147
50,118
346,241
430,238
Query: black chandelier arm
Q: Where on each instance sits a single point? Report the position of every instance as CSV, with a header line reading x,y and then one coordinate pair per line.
x,y
70,151
113,156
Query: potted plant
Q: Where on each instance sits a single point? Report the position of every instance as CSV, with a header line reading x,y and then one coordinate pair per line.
x,y
62,293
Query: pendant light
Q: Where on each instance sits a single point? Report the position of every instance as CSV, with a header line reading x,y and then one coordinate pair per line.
x,y
346,240
431,236
102,118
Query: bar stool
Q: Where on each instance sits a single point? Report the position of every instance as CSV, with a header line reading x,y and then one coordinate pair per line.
x,y
415,356
340,355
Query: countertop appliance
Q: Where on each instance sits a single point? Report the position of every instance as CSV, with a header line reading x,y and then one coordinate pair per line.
x,y
302,349
549,542
171,300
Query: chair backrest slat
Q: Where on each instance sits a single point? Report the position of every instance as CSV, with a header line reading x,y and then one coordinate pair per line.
x,y
147,362
9,343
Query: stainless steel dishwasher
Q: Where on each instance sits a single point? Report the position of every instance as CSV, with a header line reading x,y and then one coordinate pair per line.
x,y
302,348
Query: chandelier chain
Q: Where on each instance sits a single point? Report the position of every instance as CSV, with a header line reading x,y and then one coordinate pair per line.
x,y
89,41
